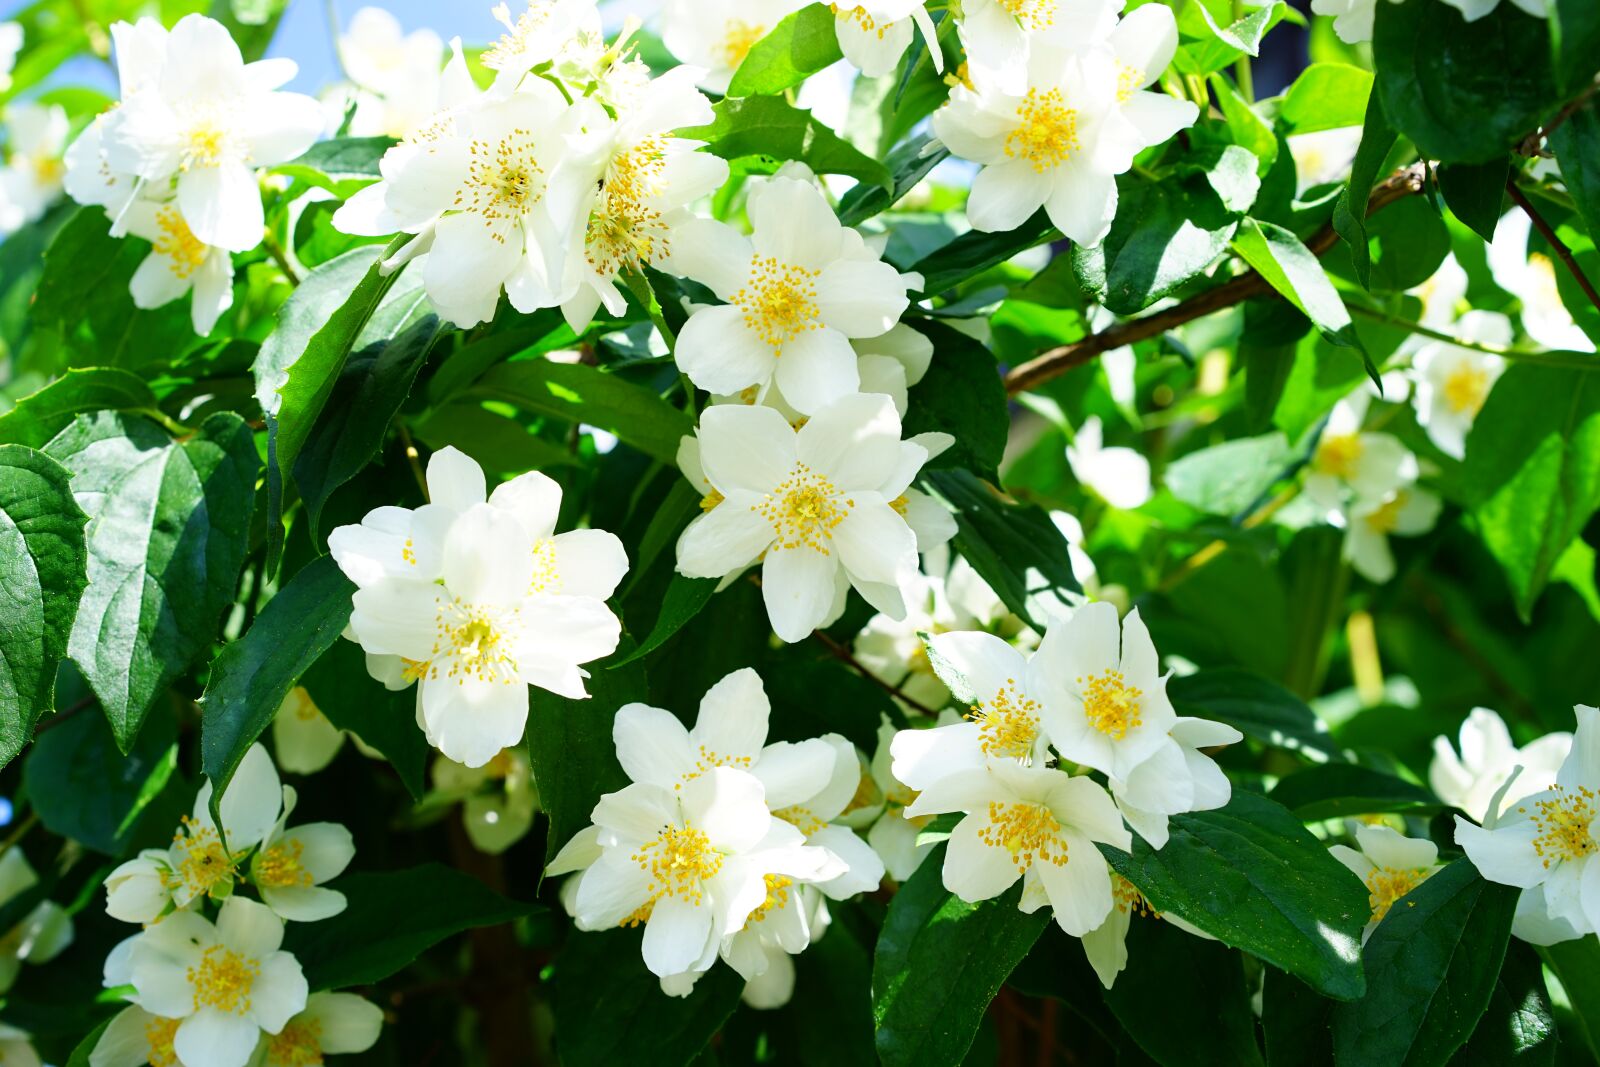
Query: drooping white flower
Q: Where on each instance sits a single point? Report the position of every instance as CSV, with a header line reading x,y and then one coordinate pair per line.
x,y
227,983
204,126
1351,463
1406,512
42,934
1473,10
1035,824
201,861
1488,756
30,182
498,800
141,51
1442,294
135,1038
1119,476
1390,865
178,263
397,75
815,505
716,35
303,739
330,1024
1546,841
1106,946
1176,779
874,34
997,33
1531,278
1453,382
292,863
796,292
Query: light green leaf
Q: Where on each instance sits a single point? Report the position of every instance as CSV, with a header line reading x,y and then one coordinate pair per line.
x,y
1290,268
582,394
1326,96
770,127
1227,479
803,43
40,416
1350,213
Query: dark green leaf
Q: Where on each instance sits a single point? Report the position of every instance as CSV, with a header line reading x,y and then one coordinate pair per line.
x,y
771,128
796,48
1290,268
393,917
80,1054
1577,146
1431,967
939,963
169,525
1294,1021
1326,96
814,693
1576,965
910,162
683,601
582,394
253,674
1350,214
961,395
1408,240
1476,192
344,157
1253,877
40,416
1518,1026
42,575
1227,479
973,253
1257,707
1575,32
384,719
1336,790
502,445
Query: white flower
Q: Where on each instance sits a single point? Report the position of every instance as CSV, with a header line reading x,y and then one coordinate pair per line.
x,y
1119,476
1488,756
1350,463
797,291
893,835
205,124
228,983
302,737
1531,278
42,934
135,1038
141,50
1370,523
1323,156
893,362
1058,138
1453,382
817,504
1390,865
1442,294
290,866
1177,778
1546,841
331,1024
200,861
997,33
499,799
36,138
475,597
1352,19
1473,10
539,35
10,45
179,262
1104,696
874,34
16,1048
1106,946
1035,824
397,75
716,35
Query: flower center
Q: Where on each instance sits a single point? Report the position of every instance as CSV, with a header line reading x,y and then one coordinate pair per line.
x,y
1031,14
1129,81
185,253
1385,885
801,818
223,980
711,500
1046,133
158,1033
1008,725
1466,389
678,861
48,170
509,49
1028,831
804,510
202,863
471,641
282,865
504,181
1111,704
777,896
546,576
296,1045
1338,454
779,301
1386,519
1563,822
739,38
625,228
207,143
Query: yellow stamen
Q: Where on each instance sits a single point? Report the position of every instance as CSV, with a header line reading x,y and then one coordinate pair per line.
x,y
739,38
296,1045
283,865
777,896
1466,388
1008,723
1385,885
1028,831
679,861
1111,704
804,510
223,980
1338,454
779,302
158,1033
1046,133
185,253
1564,822
202,863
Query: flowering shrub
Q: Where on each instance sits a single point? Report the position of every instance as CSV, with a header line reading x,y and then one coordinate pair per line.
x,y
764,532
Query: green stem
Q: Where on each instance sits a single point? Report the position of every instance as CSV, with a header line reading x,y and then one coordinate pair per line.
x,y
1568,361
1242,75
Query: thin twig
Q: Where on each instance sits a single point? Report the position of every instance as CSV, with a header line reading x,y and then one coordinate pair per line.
x,y
1534,142
269,241
1556,244
845,656
1540,359
62,716
414,460
20,832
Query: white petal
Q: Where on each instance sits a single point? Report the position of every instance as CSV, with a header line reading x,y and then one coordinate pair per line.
x,y
721,354
222,206
973,869
797,585
652,745
456,482
215,1039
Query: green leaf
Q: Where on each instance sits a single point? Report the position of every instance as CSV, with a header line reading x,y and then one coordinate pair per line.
x,y
814,693
610,1010
1247,128
796,48
169,526
1227,479
384,719
83,787
1431,967
582,394
1222,42
1294,1021
1533,469
341,157
1326,96
1408,241
684,599
939,963
910,162
502,445
1258,708
1576,965
973,253
961,395
1339,790
1518,1026
1577,146
42,564
1177,986
1290,268
771,128
40,416
1575,33
1476,192
253,674
570,747
80,1054
1013,546
393,917
1350,213
1463,92
1250,875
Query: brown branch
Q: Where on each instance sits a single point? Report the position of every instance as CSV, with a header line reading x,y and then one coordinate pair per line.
x,y
1405,182
1556,243
1533,144
62,716
845,656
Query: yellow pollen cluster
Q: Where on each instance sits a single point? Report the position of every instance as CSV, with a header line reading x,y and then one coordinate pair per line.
x,y
860,17
1563,822
296,1045
741,36
202,861
864,797
1466,388
1031,14
1028,831
1128,900
1046,133
185,253
414,670
777,896
639,916
500,765
205,147
504,52
625,228
1111,704
1387,517
779,302
471,643
223,980
504,180
1338,454
408,552
1385,885
158,1034
546,576
1008,724
283,865
800,818
804,510
47,170
1129,81
678,861
711,500
900,504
